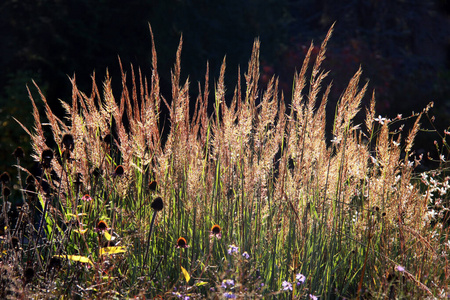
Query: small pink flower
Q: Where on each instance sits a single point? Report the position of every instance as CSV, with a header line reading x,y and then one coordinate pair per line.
x,y
399,269
86,198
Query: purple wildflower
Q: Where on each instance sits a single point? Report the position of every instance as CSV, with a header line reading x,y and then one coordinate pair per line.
x,y
245,255
286,286
229,295
228,282
300,278
233,249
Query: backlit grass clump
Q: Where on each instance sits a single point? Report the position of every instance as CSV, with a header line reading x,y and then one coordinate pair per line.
x,y
251,201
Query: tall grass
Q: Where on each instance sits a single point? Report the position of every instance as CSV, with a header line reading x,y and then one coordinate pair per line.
x,y
344,214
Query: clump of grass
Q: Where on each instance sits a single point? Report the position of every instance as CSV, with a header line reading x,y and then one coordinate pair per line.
x,y
267,205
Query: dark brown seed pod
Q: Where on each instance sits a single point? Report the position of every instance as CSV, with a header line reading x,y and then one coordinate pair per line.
x,y
46,158
19,153
157,204
68,142
55,263
108,139
152,185
6,191
216,231
181,243
5,178
109,244
78,179
119,171
97,172
101,226
28,275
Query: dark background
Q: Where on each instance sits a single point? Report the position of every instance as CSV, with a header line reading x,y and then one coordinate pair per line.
x,y
402,46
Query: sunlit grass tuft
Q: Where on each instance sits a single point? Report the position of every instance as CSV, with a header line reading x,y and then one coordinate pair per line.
x,y
252,201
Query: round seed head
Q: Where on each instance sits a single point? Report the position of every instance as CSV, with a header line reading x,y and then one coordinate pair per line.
x,y
101,226
6,191
5,178
19,153
157,204
28,274
152,185
55,263
46,158
181,243
68,142
119,171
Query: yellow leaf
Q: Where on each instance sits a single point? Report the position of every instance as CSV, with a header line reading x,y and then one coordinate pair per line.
x,y
80,231
200,283
112,250
186,274
107,235
79,258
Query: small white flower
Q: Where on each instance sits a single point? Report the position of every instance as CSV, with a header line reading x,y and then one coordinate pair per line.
x,y
380,120
336,140
447,244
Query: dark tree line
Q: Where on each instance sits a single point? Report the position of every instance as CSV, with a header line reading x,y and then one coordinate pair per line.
x,y
402,45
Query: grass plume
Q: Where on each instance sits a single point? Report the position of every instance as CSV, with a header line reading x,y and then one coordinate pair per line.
x,y
348,215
